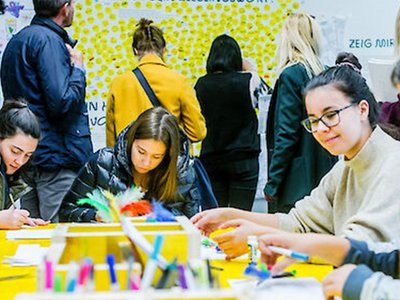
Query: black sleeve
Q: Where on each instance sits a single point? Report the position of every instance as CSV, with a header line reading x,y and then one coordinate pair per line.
x,y
85,182
289,105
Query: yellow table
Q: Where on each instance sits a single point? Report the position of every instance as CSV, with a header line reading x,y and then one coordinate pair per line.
x,y
234,270
9,288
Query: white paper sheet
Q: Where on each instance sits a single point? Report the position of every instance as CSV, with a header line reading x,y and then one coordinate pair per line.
x,y
29,234
282,288
27,255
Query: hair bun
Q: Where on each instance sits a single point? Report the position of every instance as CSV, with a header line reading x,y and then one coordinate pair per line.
x,y
348,59
143,23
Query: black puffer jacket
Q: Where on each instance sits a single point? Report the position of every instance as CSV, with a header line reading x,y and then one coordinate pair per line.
x,y
110,169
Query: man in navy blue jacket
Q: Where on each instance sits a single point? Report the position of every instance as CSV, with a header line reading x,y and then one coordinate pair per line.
x,y
40,65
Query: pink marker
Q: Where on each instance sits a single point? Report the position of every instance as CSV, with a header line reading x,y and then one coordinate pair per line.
x,y
135,276
83,274
49,275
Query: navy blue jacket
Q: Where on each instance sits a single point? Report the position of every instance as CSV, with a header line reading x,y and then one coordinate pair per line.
x,y
110,169
36,65
368,262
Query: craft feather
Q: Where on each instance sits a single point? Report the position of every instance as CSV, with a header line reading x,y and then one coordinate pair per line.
x,y
133,194
112,203
138,208
110,207
160,213
130,204
97,199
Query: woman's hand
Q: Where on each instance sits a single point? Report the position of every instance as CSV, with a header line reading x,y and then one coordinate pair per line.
x,y
330,248
209,220
36,222
281,239
333,283
13,218
234,242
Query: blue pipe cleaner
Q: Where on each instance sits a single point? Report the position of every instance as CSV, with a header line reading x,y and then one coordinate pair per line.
x,y
251,270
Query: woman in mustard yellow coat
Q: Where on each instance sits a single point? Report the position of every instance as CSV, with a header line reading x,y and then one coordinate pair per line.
x,y
127,99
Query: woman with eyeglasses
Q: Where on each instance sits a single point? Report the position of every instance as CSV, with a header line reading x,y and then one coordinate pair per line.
x,y
296,162
358,198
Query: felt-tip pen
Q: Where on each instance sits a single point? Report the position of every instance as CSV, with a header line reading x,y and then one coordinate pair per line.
x,y
289,253
113,275
151,264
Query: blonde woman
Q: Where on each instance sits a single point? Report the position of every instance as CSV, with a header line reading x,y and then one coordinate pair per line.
x,y
296,162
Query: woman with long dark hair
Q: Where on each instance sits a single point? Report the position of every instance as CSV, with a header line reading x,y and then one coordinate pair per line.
x,y
19,137
152,153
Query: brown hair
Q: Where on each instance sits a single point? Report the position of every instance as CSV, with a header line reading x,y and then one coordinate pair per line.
x,y
148,38
158,124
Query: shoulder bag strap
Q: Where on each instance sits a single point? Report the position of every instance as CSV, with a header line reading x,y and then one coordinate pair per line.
x,y
145,85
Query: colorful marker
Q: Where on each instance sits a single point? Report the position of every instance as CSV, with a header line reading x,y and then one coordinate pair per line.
x,y
136,276
113,276
72,276
49,275
289,253
284,274
151,265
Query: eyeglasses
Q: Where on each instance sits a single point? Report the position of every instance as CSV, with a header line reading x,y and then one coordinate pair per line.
x,y
329,119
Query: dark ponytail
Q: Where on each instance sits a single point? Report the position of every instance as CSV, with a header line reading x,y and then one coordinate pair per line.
x,y
16,117
348,81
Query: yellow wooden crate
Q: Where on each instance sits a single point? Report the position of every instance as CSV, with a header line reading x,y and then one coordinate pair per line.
x,y
223,294
77,241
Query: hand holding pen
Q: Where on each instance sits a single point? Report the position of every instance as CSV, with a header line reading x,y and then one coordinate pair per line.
x,y
297,246
277,244
13,218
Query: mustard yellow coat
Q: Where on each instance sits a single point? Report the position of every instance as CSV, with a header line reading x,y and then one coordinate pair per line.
x,y
127,99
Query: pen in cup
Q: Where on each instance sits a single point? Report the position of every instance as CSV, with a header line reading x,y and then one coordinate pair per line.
x,y
151,263
113,275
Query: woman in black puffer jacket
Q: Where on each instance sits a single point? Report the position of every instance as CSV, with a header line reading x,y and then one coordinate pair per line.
x,y
152,153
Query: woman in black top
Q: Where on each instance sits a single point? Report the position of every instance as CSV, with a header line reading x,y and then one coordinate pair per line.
x,y
228,97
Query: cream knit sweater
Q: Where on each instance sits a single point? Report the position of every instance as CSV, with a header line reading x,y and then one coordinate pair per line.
x,y
358,198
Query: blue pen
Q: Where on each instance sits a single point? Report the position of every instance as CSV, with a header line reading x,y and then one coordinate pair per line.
x,y
90,280
289,253
113,276
72,276
151,265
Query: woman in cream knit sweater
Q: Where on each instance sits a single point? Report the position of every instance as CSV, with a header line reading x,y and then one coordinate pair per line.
x,y
358,198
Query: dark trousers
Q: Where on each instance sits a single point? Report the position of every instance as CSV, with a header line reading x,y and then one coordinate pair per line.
x,y
234,183
49,189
